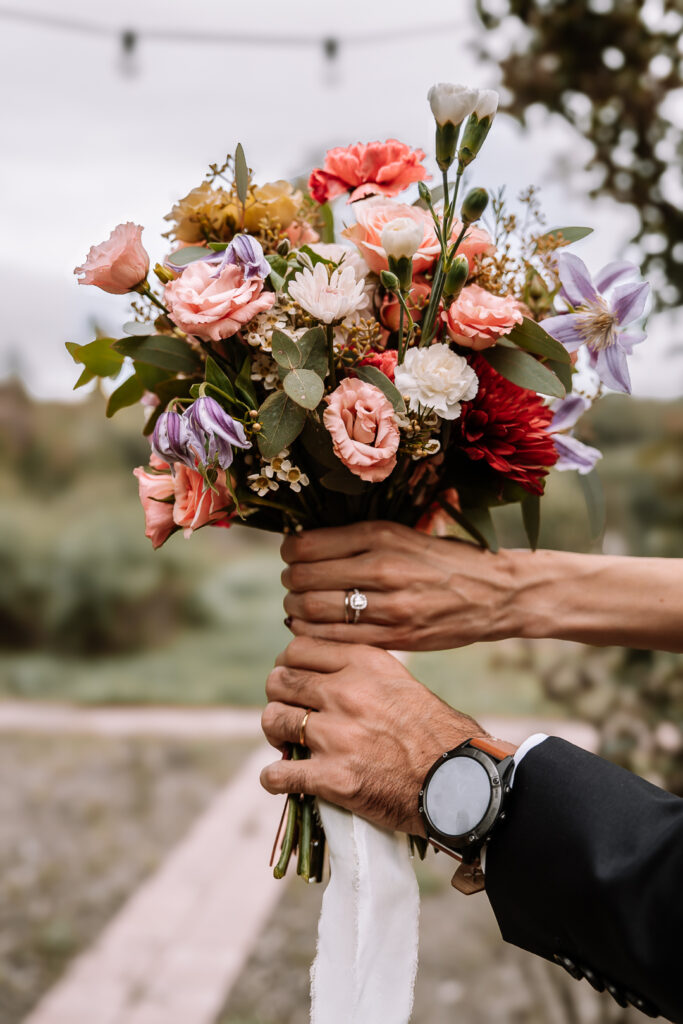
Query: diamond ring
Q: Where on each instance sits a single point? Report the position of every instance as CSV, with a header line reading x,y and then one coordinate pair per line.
x,y
354,601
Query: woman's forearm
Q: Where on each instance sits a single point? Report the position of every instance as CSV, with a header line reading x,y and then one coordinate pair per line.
x,y
598,599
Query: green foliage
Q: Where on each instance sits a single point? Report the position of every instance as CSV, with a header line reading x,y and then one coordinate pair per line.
x,y
532,338
281,421
98,357
241,174
128,393
531,517
373,375
303,365
164,351
564,236
189,254
524,371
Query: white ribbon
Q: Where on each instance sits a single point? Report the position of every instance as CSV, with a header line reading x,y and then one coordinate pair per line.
x,y
366,962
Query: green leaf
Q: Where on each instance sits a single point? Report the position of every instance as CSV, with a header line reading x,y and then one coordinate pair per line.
x,y
328,222
278,270
138,330
219,379
531,517
313,348
218,246
304,387
190,254
241,174
128,393
342,481
167,390
532,338
286,352
594,496
523,370
84,378
564,371
281,421
150,376
569,235
315,257
98,357
373,375
479,523
244,384
162,350
317,441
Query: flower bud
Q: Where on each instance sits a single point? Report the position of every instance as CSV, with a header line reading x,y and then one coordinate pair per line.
x,y
402,237
389,280
283,247
478,126
487,104
164,275
451,103
425,194
474,204
456,278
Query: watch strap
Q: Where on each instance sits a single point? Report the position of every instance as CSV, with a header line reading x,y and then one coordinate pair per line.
x,y
500,749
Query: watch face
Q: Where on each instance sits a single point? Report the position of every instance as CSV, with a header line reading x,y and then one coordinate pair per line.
x,y
457,796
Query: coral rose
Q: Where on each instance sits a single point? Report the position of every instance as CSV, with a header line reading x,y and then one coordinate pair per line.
x,y
154,490
384,361
371,219
363,429
118,265
477,319
375,168
215,308
195,503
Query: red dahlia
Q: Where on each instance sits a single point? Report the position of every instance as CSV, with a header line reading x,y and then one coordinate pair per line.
x,y
507,426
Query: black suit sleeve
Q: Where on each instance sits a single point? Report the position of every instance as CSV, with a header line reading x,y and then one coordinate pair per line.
x,y
587,870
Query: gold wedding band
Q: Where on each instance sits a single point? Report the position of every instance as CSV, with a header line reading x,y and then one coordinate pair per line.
x,y
302,728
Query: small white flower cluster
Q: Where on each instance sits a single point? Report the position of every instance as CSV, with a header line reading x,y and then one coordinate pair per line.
x,y
264,369
280,317
276,471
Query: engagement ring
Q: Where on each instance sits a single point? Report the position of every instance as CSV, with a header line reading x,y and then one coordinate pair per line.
x,y
354,601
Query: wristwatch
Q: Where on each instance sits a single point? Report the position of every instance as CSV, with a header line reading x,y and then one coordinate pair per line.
x,y
463,797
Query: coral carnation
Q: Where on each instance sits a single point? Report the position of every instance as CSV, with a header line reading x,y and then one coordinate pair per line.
x,y
376,168
507,427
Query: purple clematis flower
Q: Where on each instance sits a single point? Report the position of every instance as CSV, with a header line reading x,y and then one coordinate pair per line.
x,y
216,432
601,311
245,251
573,454
172,440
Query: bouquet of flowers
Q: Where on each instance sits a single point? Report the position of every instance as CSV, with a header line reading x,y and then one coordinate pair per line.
x,y
421,368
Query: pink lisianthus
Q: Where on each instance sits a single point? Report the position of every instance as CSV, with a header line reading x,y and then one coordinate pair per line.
x,y
384,361
118,265
154,490
477,318
371,218
363,429
211,307
195,503
417,302
374,168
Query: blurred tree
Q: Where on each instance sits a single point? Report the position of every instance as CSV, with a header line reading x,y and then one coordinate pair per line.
x,y
607,66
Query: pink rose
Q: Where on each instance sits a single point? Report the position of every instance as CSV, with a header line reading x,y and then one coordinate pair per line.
x,y
195,503
154,488
476,243
366,233
364,432
477,319
374,168
215,308
417,303
118,265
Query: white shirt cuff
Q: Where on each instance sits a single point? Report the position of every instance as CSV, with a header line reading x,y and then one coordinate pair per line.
x,y
521,752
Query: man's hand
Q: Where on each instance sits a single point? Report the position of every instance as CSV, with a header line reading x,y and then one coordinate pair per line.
x,y
424,594
373,733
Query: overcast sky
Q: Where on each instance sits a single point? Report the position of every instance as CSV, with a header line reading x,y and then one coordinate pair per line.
x,y
89,141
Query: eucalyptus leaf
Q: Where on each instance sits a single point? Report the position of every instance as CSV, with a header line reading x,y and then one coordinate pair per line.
x,y
594,496
128,393
532,338
162,350
304,387
531,517
241,174
569,235
99,358
313,348
565,372
373,375
190,254
342,481
281,422
523,370
286,353
138,330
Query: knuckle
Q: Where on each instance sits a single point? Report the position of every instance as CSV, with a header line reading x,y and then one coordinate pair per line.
x,y
311,605
295,576
269,717
274,681
285,578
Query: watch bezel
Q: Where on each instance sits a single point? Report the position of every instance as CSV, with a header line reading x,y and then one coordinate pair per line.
x,y
479,833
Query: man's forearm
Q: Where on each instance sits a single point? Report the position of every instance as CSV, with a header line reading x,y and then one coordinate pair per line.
x,y
598,599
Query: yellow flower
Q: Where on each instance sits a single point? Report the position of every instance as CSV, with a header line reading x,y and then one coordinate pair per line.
x,y
274,205
204,213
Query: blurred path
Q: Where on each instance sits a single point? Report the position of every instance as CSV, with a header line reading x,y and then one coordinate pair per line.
x,y
174,950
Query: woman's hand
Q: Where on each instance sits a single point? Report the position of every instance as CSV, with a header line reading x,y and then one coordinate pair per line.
x,y
373,732
424,594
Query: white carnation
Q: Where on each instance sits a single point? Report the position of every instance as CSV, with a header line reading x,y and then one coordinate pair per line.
x,y
402,237
330,298
487,104
451,103
436,378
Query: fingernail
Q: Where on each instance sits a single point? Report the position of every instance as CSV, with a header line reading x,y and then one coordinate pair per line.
x,y
288,621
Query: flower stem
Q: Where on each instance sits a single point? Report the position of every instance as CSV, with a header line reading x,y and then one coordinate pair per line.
x,y
329,330
401,315
303,867
280,868
145,289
